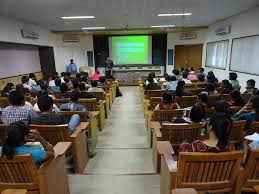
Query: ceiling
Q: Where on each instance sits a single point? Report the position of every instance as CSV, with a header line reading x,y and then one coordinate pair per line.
x,y
117,14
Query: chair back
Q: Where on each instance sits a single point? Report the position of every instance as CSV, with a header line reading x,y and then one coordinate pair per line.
x,y
251,167
20,172
53,133
213,99
237,130
153,93
234,109
196,91
167,115
225,97
177,133
89,103
68,114
254,127
154,101
4,102
97,95
186,101
59,101
208,171
246,97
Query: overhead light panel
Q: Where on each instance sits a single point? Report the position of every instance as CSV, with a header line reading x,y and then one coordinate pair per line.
x,y
93,28
163,26
77,17
173,14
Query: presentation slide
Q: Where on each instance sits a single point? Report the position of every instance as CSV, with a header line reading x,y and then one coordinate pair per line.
x,y
131,49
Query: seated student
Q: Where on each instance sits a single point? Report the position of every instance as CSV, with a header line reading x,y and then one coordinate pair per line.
x,y
18,134
47,116
211,78
176,73
45,93
85,81
78,77
63,91
192,72
17,111
7,89
218,128
166,80
27,96
192,76
63,74
83,91
32,80
108,74
236,99
52,79
203,100
202,72
95,76
201,78
102,82
233,80
56,88
250,112
75,84
185,76
73,105
151,75
172,83
210,89
250,86
152,85
180,89
94,87
167,102
196,115
25,82
226,87
222,107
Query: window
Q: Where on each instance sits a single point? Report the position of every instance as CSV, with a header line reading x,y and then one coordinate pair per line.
x,y
216,54
244,55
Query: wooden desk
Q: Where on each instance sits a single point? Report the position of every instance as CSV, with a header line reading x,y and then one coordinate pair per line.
x,y
14,191
184,191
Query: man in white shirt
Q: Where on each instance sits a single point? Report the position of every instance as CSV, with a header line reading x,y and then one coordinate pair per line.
x,y
94,87
25,82
32,80
185,75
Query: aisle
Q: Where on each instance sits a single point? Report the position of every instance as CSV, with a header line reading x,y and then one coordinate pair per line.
x,y
123,163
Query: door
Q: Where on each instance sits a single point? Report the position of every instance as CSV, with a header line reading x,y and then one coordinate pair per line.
x,y
188,56
47,61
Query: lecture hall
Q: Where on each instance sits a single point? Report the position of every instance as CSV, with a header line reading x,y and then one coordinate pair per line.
x,y
129,97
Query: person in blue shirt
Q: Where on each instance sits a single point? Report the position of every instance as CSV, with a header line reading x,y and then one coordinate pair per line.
x,y
73,105
172,83
18,134
72,67
250,112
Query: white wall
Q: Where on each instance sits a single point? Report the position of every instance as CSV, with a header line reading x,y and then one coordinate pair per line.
x,y
244,24
63,52
174,39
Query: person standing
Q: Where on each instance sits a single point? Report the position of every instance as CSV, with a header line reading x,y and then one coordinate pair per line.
x,y
108,64
72,67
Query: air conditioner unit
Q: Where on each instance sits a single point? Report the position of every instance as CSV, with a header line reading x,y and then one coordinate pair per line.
x,y
71,39
188,36
222,30
30,34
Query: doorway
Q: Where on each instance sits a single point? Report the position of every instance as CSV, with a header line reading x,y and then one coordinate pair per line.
x,y
188,56
47,60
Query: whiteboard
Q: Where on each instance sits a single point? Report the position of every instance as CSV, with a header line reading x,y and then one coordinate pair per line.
x,y
18,60
245,55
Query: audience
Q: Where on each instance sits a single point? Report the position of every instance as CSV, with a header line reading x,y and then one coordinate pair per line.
x,y
167,102
73,105
151,85
18,134
7,89
218,128
201,78
32,80
95,76
192,76
172,83
45,93
176,73
202,72
102,82
83,91
211,78
25,82
53,77
17,111
56,88
185,76
63,91
226,87
210,89
222,107
236,99
233,80
203,100
94,87
250,86
180,89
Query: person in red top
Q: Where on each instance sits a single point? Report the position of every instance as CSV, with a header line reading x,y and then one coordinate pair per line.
x,y
167,102
95,76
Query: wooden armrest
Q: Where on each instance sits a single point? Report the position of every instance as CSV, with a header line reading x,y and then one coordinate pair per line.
x,y
256,188
157,132
61,147
83,125
155,124
77,132
171,164
95,113
14,191
164,147
101,102
184,191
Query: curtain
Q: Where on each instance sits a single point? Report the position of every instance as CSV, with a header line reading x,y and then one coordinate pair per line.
x,y
244,56
216,54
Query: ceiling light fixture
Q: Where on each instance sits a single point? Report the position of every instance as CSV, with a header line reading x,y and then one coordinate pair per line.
x,y
77,17
173,14
93,28
163,26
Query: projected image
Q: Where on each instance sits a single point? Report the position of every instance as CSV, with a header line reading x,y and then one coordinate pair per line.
x,y
130,49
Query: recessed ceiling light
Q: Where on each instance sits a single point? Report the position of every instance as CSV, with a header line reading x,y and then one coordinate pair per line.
x,y
78,17
173,14
93,28
163,26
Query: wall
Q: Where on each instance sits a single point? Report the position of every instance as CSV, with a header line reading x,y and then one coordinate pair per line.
x,y
244,24
174,39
